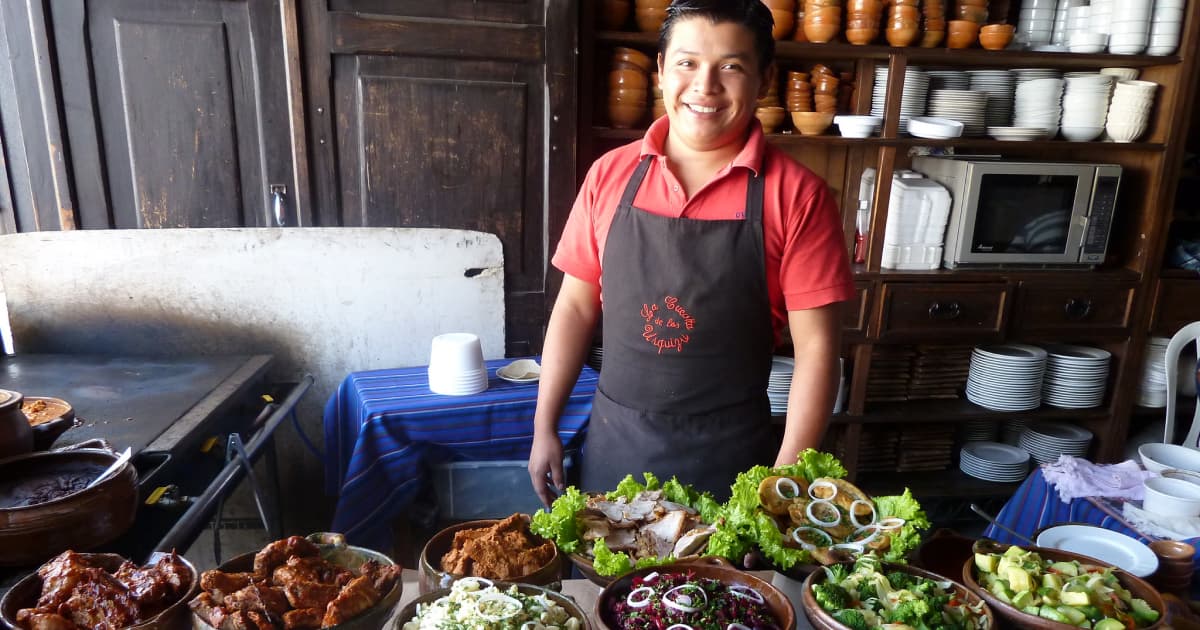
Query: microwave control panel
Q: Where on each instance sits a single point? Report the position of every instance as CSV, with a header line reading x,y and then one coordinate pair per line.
x,y
1100,219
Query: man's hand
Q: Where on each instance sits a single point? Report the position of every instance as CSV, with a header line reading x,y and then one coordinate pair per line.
x,y
546,467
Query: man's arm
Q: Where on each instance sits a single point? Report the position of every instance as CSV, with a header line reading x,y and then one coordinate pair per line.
x,y
568,336
816,335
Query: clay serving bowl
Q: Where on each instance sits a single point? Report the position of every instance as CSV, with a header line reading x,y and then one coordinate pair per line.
x,y
80,520
1020,619
335,550
410,611
613,13
649,19
780,5
822,620
49,417
714,568
633,56
811,123
770,117
433,577
25,594
628,79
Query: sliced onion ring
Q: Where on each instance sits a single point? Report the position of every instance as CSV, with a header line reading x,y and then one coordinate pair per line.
x,y
784,482
855,547
737,626
680,604
808,510
822,484
888,524
514,606
804,544
854,517
650,577
680,626
746,592
639,603
873,528
529,624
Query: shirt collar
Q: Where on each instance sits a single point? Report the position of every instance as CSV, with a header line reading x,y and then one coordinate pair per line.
x,y
749,157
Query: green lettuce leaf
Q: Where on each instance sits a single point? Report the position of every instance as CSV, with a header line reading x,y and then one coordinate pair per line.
x,y
770,543
608,563
915,521
629,488
816,464
559,523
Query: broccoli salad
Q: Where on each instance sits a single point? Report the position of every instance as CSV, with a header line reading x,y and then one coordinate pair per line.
x,y
476,604
1074,593
681,601
865,597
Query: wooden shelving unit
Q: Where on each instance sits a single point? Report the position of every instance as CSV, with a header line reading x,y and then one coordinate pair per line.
x,y
1128,283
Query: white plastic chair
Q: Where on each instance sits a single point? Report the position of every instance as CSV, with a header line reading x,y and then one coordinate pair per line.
x,y
1187,334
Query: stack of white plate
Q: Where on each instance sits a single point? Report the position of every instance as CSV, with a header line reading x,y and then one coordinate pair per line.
x,y
1076,376
1129,30
912,100
979,431
1166,25
1153,389
966,106
1000,86
1032,74
780,383
1006,377
948,80
1038,104
1010,432
1085,105
1045,441
992,461
1017,134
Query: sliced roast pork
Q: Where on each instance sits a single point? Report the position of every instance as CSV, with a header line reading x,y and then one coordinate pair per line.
x,y
692,541
665,531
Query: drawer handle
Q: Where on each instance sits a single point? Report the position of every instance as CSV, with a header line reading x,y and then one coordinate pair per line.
x,y
937,310
1077,309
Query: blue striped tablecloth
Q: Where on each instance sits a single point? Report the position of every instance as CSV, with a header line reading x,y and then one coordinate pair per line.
x,y
383,427
1036,504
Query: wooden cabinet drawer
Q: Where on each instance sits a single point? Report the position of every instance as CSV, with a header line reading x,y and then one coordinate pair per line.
x,y
943,312
1176,303
856,312
1096,308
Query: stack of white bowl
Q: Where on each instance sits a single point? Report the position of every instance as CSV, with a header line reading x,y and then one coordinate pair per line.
x,y
1080,38
1129,111
1061,20
1166,24
1129,31
1152,391
1085,105
1101,16
456,365
1035,25
1039,104
1121,74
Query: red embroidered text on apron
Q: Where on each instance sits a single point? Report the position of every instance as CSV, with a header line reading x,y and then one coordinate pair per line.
x,y
667,324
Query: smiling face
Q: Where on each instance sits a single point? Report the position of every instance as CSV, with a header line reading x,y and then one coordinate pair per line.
x,y
710,81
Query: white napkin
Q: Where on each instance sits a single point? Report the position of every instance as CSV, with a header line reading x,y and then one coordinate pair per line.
x,y
1075,477
1171,527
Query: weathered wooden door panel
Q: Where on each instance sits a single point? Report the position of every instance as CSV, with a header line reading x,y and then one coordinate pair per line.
x,y
190,99
517,11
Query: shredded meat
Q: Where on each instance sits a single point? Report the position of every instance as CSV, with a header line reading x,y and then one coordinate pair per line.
x,y
291,588
77,595
504,551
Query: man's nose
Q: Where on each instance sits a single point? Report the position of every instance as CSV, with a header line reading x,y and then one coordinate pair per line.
x,y
706,81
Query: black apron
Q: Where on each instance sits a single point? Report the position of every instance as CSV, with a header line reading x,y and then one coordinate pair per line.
x,y
687,349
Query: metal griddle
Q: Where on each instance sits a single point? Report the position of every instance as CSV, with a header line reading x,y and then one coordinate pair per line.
x,y
146,404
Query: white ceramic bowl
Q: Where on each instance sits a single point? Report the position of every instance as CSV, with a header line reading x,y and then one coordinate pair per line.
x,y
934,128
857,126
1159,456
1182,475
1081,134
1171,497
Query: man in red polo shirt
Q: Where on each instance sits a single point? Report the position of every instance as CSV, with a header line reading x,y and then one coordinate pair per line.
x,y
699,244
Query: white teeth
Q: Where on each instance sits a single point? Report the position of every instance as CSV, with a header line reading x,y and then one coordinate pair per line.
x,y
702,109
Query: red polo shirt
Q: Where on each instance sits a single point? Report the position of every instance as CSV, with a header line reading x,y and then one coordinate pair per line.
x,y
806,261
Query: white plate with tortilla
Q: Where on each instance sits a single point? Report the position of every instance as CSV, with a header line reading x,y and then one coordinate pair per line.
x,y
520,371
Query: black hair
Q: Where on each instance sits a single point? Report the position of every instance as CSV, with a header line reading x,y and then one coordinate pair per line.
x,y
752,14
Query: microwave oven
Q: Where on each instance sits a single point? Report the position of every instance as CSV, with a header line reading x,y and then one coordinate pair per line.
x,y
1014,213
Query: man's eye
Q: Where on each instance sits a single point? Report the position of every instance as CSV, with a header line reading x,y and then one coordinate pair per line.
x,y
686,63
732,66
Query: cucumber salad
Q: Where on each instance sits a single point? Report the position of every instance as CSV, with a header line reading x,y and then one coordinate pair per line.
x,y
1072,592
476,604
678,600
864,596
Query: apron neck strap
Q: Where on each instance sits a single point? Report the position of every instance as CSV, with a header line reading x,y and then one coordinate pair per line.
x,y
635,181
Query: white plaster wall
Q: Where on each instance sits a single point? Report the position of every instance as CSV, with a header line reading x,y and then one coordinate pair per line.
x,y
323,300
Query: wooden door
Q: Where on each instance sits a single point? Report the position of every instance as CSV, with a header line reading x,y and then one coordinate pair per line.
x,y
451,114
177,113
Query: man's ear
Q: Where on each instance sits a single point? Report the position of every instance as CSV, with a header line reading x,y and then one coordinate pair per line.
x,y
768,79
660,65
